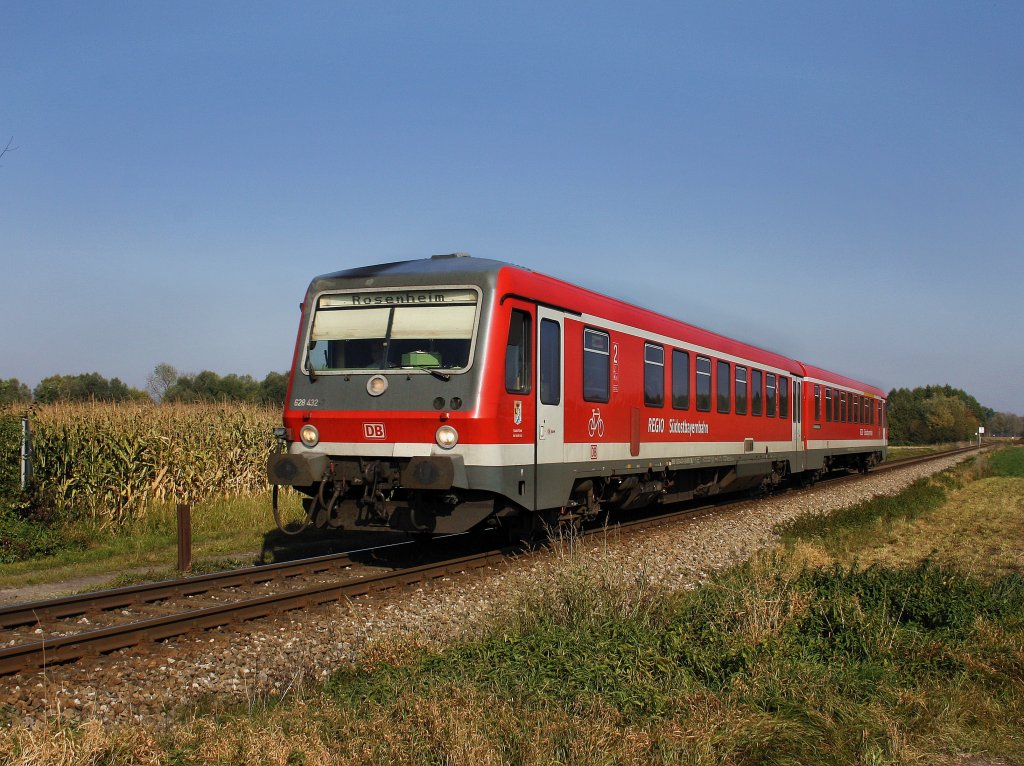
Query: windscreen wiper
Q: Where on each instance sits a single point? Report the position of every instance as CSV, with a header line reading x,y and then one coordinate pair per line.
x,y
433,371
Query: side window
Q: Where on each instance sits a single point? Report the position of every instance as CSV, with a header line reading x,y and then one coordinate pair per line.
x,y
783,397
703,384
654,375
596,365
770,396
741,390
817,402
756,392
724,378
856,408
844,412
517,354
680,380
550,362
828,404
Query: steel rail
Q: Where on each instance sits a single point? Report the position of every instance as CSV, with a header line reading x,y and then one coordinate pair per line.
x,y
34,612
105,640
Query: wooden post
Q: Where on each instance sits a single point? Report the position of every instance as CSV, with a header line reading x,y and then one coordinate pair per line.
x,y
184,537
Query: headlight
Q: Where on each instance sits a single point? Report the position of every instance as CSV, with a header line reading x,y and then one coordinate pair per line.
x,y
309,435
376,385
446,437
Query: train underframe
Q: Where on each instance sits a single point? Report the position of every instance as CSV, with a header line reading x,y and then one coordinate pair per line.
x,y
423,496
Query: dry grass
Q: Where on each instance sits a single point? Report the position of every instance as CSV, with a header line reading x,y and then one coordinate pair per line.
x,y
980,529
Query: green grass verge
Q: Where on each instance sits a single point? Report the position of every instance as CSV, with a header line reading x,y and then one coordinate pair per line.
x,y
819,666
1007,462
236,530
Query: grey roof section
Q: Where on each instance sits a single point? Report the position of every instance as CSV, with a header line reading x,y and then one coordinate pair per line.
x,y
452,268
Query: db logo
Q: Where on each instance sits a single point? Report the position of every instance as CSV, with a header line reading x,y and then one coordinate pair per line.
x,y
373,430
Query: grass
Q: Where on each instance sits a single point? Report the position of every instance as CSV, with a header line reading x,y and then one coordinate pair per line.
x,y
236,530
869,638
900,452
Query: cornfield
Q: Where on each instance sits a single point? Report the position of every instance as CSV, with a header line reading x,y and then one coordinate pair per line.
x,y
110,462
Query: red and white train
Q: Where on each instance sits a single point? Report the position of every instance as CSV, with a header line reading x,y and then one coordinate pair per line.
x,y
450,393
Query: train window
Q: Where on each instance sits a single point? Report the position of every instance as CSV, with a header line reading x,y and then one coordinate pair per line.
x,y
836,410
756,392
517,354
703,384
828,404
680,380
856,408
817,402
741,390
783,397
724,378
844,410
769,409
868,409
654,375
550,362
392,330
596,365
879,412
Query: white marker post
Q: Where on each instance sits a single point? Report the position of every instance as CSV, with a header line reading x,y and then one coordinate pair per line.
x,y
981,431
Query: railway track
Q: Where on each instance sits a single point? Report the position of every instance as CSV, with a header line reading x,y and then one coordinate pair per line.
x,y
68,629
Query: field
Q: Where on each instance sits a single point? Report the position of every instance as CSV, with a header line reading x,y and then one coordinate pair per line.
x,y
893,633
108,478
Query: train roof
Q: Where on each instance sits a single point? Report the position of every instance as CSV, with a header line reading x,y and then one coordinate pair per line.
x,y
818,373
452,265
456,267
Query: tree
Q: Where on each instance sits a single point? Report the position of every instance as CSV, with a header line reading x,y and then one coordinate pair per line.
x,y
930,414
274,388
1005,424
207,386
160,380
88,386
8,148
13,391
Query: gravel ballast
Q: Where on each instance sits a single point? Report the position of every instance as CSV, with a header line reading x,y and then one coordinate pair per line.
x,y
276,656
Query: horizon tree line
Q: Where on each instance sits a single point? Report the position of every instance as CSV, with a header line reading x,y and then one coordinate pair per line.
x,y
922,415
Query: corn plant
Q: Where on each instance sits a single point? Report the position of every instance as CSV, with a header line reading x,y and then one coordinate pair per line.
x,y
109,462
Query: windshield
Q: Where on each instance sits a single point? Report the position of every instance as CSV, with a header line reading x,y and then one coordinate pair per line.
x,y
422,328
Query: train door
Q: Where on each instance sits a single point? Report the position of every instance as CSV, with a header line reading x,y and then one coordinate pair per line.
x,y
517,409
798,417
550,443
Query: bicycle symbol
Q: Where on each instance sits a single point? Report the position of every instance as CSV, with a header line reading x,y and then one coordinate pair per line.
x,y
596,424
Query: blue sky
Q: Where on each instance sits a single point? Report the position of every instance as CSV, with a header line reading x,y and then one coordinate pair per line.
x,y
843,183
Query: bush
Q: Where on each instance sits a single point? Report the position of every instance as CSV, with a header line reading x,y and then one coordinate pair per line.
x,y
10,457
22,533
